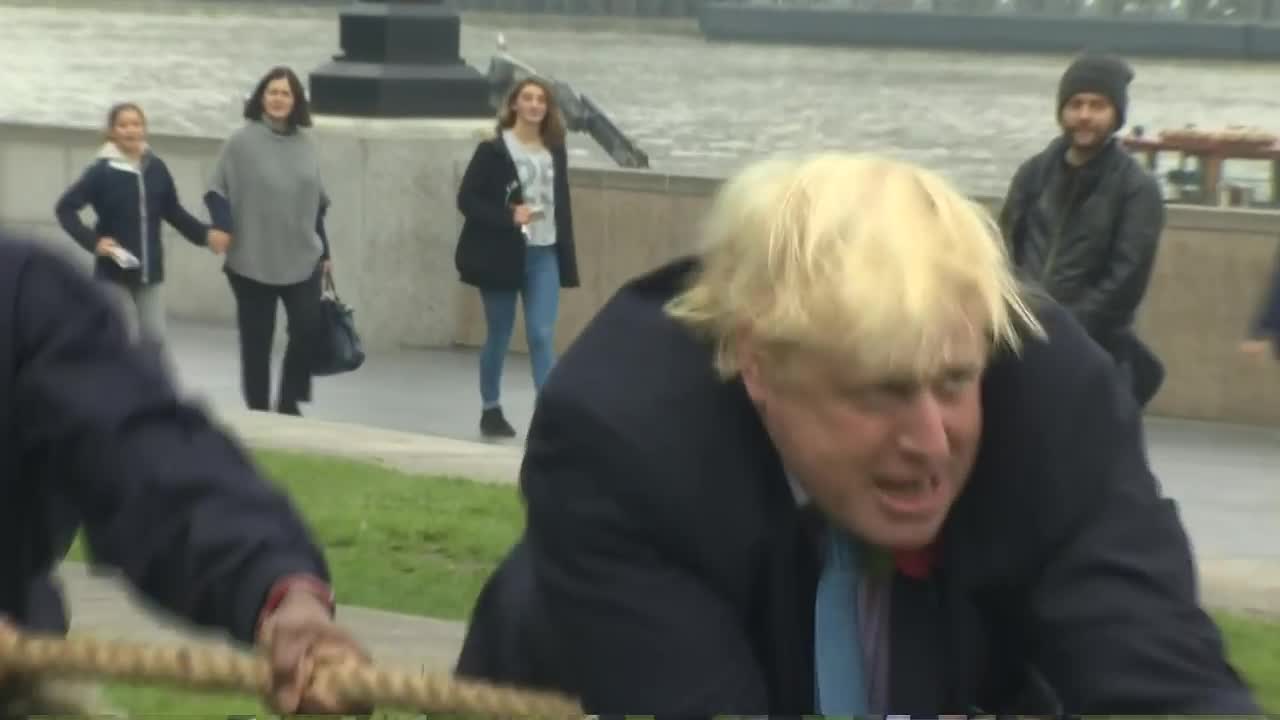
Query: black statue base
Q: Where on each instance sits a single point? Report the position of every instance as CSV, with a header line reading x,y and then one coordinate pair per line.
x,y
399,91
400,60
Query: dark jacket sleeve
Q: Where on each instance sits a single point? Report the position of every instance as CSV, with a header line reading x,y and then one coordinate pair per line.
x,y
567,251
1015,206
81,193
164,495
219,211
482,191
1267,322
320,228
1113,300
176,215
637,633
1114,611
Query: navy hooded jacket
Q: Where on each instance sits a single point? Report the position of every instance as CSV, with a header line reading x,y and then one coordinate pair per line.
x,y
93,435
130,203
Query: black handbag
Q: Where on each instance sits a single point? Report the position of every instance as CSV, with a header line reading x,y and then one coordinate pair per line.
x,y
338,348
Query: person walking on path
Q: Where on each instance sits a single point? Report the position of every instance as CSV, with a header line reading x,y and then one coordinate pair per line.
x,y
517,237
1083,218
1265,332
132,193
268,202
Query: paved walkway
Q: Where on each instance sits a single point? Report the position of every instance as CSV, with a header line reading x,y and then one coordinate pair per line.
x,y
418,411
104,607
1226,478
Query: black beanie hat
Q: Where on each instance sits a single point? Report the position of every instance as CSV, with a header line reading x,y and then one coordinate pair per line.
x,y
1102,74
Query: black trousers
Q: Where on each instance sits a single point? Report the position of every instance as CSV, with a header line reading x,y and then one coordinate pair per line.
x,y
256,317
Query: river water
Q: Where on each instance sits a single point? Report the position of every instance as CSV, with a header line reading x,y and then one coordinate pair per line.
x,y
693,106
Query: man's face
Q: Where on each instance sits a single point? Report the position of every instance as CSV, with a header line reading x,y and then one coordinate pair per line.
x,y
885,457
1088,119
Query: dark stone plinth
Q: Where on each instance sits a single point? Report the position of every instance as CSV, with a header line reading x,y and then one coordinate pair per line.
x,y
400,60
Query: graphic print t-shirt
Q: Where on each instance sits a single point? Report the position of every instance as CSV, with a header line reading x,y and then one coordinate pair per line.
x,y
537,178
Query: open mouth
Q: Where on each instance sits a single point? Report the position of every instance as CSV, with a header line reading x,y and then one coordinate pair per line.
x,y
910,496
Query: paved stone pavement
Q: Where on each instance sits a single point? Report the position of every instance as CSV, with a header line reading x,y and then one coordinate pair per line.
x,y
1226,478
103,607
417,410
432,392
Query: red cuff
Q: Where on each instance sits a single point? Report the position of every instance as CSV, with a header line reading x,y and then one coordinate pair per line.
x,y
289,583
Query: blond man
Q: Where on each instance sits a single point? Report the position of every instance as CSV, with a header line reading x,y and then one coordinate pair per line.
x,y
838,463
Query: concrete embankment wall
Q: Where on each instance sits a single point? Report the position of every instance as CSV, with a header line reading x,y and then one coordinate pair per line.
x,y
1211,271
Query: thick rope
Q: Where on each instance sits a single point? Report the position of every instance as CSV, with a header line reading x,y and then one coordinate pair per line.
x,y
219,669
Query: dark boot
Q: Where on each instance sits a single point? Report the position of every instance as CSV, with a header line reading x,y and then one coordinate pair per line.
x,y
494,424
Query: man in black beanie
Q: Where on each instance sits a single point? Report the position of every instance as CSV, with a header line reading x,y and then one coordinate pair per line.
x,y
1083,219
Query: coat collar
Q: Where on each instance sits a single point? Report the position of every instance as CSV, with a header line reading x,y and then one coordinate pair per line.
x,y
116,159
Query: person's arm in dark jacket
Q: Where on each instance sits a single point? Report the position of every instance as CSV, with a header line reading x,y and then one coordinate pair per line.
x,y
164,495
218,197
73,200
481,193
320,228
219,208
1266,323
1014,207
1114,619
567,247
191,228
673,645
1114,298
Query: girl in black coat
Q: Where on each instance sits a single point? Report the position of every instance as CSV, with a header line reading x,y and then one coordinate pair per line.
x,y
517,236
131,191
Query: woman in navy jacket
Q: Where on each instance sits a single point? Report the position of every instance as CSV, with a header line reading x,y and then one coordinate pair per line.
x,y
131,192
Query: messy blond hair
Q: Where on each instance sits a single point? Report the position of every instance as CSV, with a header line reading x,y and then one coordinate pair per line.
x,y
853,254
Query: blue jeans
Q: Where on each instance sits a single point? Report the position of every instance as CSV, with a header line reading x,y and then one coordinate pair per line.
x,y
541,296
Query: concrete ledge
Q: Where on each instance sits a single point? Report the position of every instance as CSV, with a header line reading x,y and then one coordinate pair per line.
x,y
407,452
1245,585
1250,585
104,606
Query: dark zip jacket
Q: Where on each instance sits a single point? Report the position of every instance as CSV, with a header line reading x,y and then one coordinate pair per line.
x,y
130,203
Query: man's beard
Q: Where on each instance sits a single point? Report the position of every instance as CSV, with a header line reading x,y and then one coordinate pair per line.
x,y
1097,138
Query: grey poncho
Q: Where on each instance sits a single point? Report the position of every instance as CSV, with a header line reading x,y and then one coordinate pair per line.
x,y
272,182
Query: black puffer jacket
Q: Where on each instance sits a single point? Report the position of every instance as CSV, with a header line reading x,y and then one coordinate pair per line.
x,y
1087,235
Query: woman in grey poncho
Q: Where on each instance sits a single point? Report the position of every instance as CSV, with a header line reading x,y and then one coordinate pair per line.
x,y
267,203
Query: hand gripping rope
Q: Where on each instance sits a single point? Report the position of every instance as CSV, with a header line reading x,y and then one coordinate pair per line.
x,y
220,669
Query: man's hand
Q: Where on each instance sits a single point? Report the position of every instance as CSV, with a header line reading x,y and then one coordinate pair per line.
x,y
298,637
1256,348
218,241
105,246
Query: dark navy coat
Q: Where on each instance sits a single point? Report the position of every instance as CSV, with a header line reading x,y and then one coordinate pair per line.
x,y
130,204
92,434
666,567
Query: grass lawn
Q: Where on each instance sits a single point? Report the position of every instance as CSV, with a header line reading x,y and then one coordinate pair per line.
x,y
410,544
425,546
